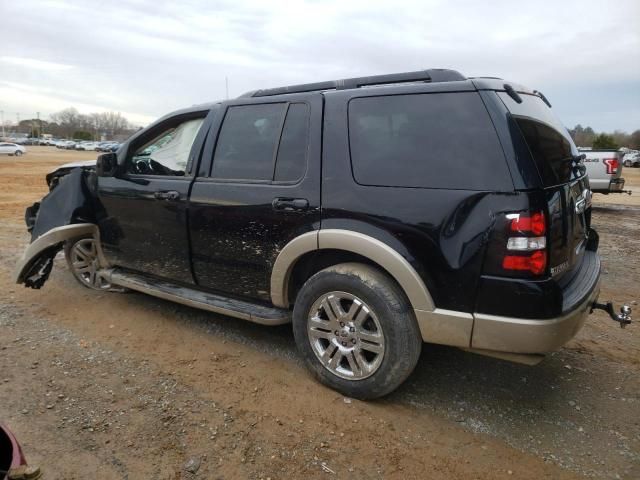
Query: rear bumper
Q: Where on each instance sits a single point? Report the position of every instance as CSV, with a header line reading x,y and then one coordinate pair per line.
x,y
514,334
517,335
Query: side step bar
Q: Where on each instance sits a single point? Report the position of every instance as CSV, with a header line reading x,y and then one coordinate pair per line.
x,y
198,299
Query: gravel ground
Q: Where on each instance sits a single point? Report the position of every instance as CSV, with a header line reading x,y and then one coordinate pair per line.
x,y
128,386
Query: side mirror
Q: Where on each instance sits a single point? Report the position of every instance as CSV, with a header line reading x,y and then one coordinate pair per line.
x,y
107,165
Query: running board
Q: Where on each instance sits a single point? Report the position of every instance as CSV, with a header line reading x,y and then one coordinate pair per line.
x,y
198,299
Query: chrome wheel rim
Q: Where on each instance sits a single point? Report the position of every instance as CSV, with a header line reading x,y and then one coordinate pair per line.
x,y
85,264
346,335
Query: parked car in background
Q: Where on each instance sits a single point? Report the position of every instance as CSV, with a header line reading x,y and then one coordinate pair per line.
x,y
631,159
604,168
86,146
12,149
107,146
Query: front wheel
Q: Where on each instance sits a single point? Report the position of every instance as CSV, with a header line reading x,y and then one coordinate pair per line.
x,y
18,153
356,330
83,261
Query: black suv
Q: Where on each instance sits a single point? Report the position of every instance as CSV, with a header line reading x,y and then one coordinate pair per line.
x,y
374,213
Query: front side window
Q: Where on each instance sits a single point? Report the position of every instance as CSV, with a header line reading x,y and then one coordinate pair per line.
x,y
166,153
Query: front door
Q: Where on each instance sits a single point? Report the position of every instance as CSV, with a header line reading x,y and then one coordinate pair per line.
x,y
145,224
261,189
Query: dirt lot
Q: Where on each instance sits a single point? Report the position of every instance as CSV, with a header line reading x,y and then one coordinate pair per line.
x,y
105,385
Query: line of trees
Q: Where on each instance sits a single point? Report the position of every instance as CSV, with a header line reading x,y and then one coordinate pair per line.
x,y
587,137
69,123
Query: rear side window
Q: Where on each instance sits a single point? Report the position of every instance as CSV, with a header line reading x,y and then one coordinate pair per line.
x,y
247,142
549,142
438,140
292,153
253,137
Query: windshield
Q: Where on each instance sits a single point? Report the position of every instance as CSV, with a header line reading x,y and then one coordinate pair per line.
x,y
549,142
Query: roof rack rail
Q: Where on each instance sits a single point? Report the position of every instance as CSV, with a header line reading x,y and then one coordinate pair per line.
x,y
431,75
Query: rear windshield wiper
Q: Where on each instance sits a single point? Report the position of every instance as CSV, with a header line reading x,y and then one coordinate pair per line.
x,y
544,99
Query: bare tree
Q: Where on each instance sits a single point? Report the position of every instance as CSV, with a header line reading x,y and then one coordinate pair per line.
x,y
67,119
103,123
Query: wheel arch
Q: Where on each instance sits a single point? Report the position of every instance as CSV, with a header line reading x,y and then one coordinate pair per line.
x,y
377,252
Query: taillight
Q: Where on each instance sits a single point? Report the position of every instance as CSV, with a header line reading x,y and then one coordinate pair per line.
x,y
535,223
535,263
611,164
526,250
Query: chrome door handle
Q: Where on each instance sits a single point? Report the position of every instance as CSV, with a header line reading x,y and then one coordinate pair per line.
x,y
289,204
171,195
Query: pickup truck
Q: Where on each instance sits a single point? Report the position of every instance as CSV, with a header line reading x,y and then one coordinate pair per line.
x,y
604,168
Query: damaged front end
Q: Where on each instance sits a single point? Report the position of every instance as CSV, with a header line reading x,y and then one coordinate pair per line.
x,y
67,212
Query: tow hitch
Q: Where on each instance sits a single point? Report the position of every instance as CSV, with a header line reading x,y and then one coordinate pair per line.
x,y
623,318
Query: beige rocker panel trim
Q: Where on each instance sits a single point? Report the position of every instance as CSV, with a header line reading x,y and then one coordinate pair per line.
x,y
51,238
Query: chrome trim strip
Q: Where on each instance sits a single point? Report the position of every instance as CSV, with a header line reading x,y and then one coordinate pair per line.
x,y
50,239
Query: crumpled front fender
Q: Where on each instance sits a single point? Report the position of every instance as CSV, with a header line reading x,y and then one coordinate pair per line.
x,y
48,244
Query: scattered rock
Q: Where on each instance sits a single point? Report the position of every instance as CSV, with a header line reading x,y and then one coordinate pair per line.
x,y
192,465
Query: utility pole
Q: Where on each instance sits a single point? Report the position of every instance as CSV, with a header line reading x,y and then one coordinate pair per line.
x,y
226,86
2,120
39,125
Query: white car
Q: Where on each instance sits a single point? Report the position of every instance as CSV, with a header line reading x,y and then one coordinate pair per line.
x,y
11,149
86,146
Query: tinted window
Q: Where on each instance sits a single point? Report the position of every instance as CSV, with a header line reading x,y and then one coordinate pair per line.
x,y
548,140
292,153
440,140
247,142
166,153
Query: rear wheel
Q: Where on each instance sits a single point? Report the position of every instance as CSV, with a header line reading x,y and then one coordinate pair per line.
x,y
82,258
356,330
627,163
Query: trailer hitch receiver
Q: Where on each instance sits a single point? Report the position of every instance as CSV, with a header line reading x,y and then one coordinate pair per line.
x,y
623,318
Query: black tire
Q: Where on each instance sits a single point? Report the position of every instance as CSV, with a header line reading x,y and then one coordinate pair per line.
x,y
627,163
18,153
401,335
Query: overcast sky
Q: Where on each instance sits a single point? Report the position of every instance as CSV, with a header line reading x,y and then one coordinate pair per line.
x,y
145,59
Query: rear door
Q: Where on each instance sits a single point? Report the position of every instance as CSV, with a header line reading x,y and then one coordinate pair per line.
x,y
259,188
566,188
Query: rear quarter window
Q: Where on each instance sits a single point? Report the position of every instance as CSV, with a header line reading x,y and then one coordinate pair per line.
x,y
550,145
437,140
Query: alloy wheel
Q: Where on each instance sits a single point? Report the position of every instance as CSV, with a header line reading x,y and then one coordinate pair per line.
x,y
346,335
85,264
